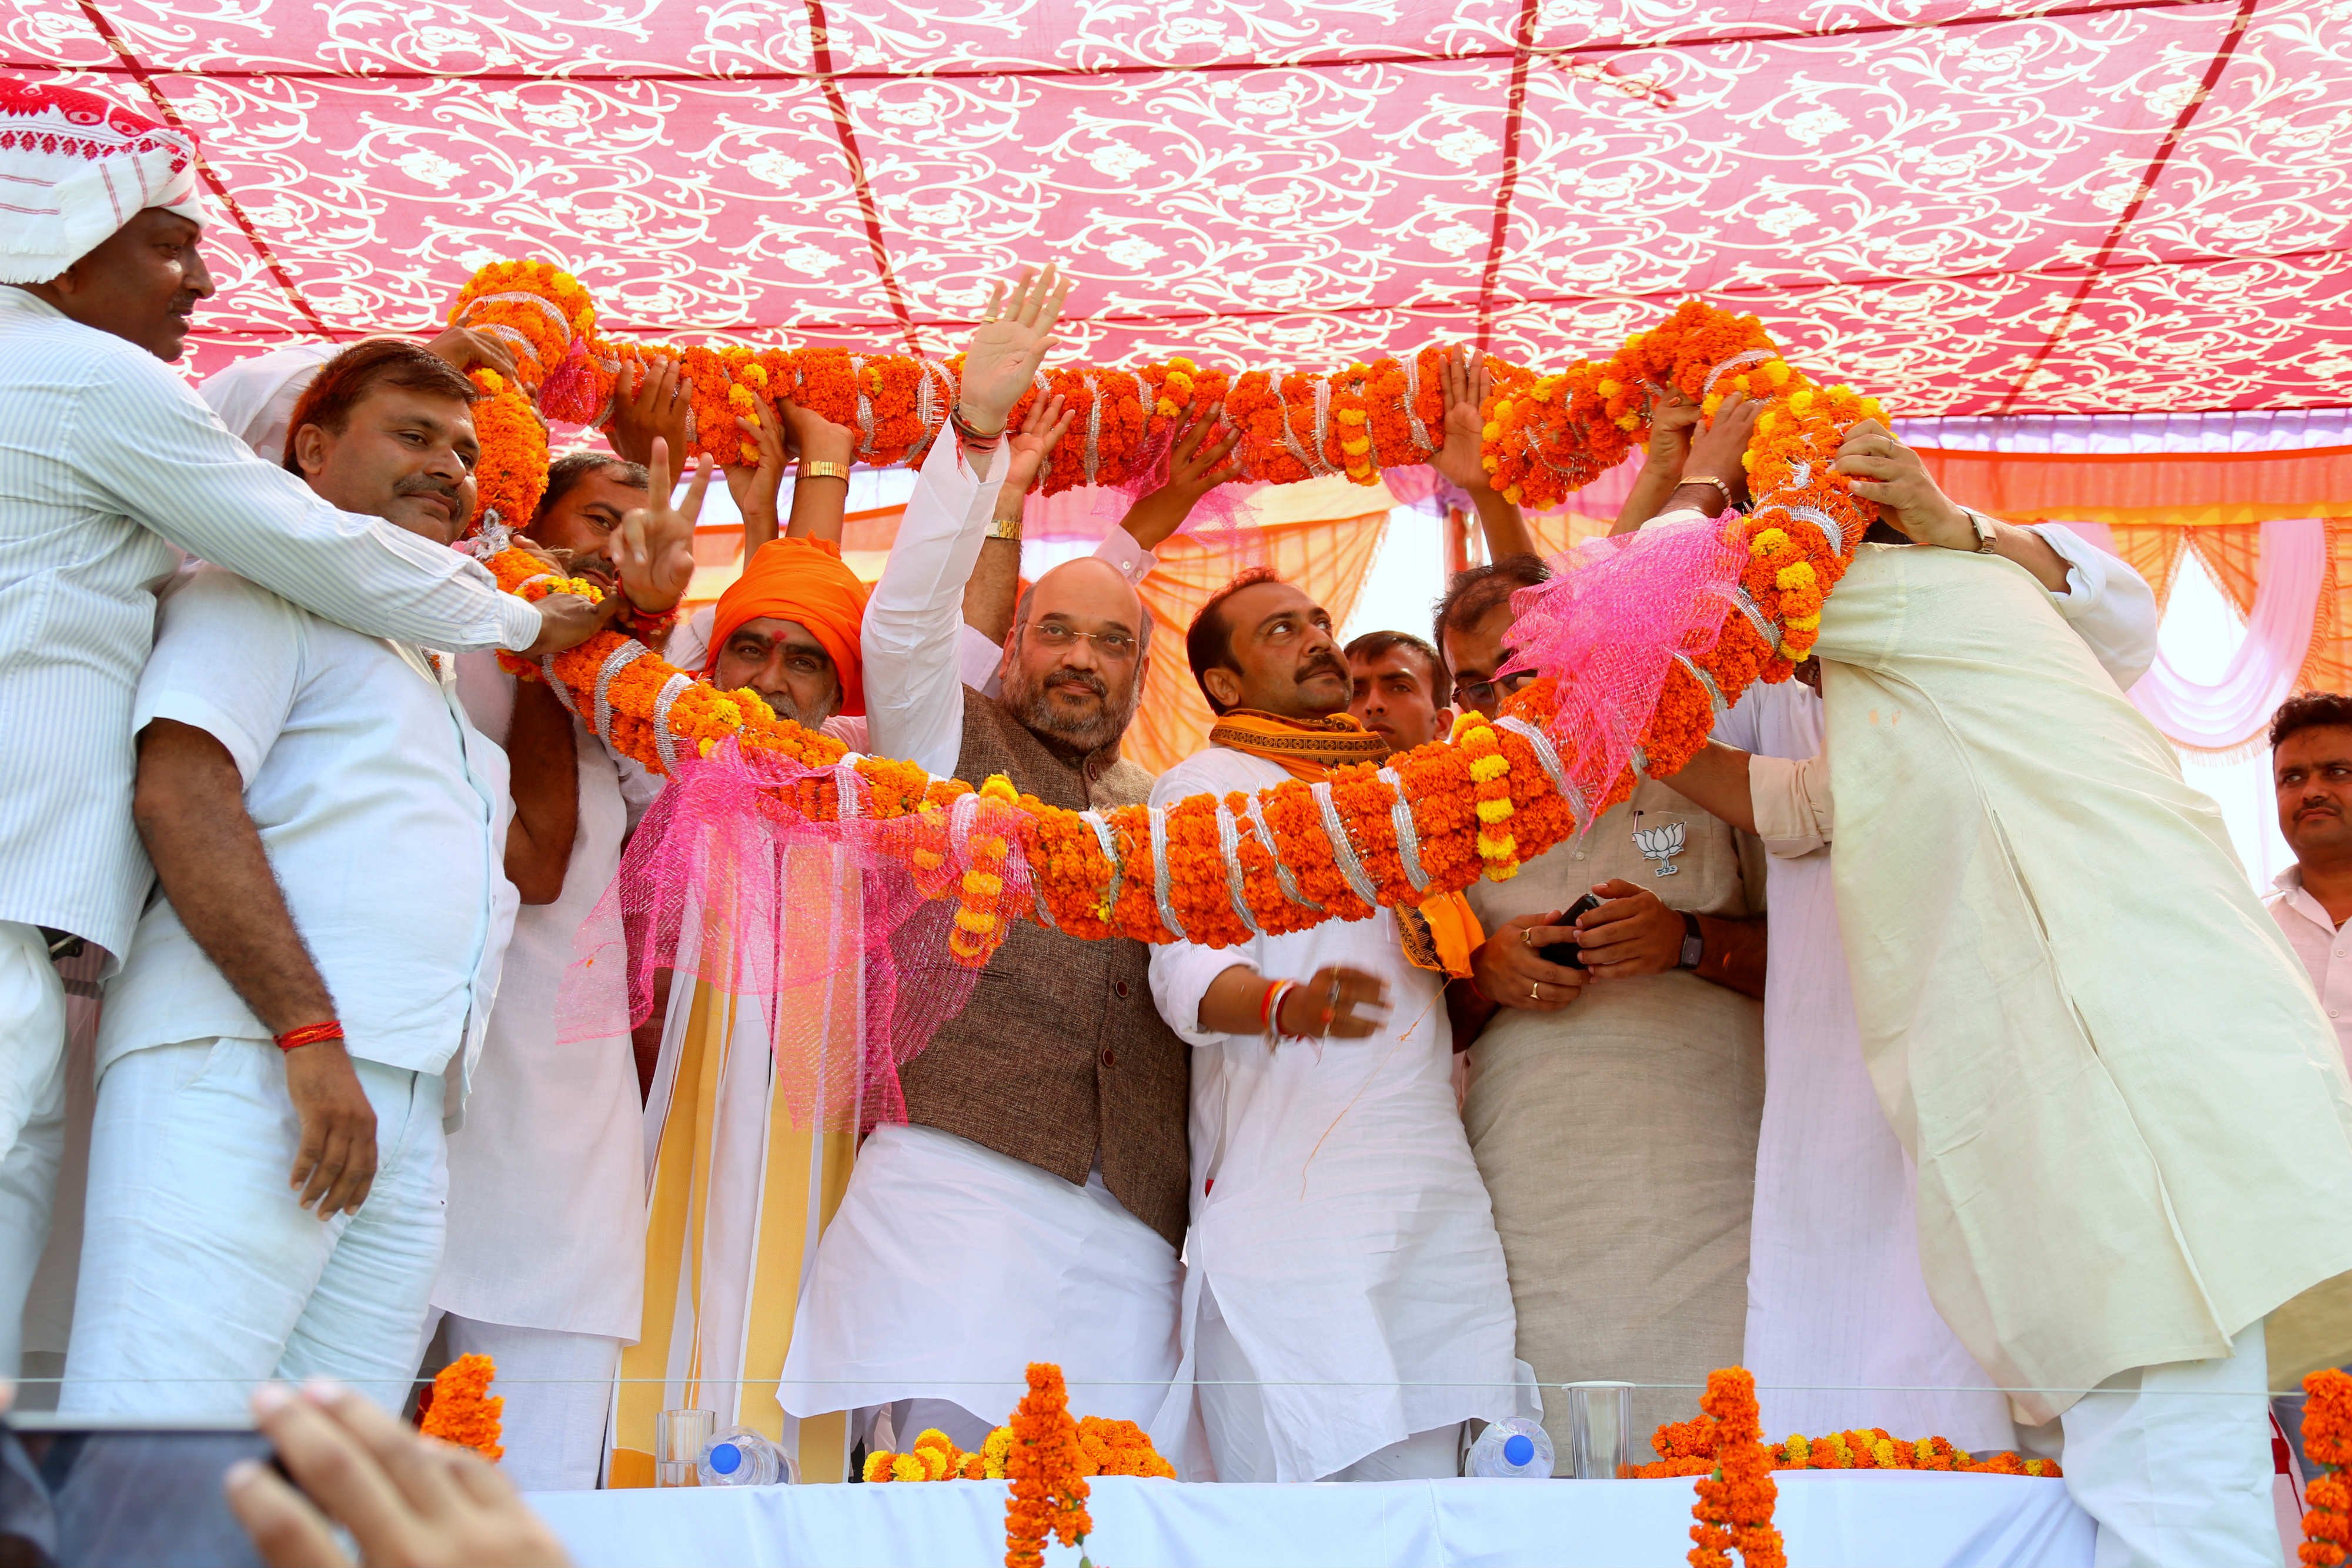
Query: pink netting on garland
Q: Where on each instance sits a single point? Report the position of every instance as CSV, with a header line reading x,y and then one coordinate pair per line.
x,y
821,925
1606,629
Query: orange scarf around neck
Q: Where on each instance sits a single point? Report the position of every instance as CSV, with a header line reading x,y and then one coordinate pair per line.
x,y
1448,930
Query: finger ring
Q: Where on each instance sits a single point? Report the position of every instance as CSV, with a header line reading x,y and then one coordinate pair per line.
x,y
988,319
1535,990
1527,935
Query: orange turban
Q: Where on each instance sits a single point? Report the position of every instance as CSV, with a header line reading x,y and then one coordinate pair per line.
x,y
803,581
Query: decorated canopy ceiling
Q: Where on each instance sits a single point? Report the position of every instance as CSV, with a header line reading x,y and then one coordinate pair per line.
x,y
1969,209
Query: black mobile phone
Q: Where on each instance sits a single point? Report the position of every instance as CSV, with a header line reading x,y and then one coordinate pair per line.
x,y
1568,954
82,1492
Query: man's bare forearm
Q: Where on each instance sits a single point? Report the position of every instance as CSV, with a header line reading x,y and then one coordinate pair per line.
x,y
543,764
1503,524
189,806
1715,780
1732,953
820,504
994,586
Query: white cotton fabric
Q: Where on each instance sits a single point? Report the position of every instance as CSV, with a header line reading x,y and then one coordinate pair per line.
x,y
383,813
255,396
107,461
2175,1463
1841,1330
2325,951
558,1394
546,1191
1337,1217
71,176
202,1275
950,1267
31,1117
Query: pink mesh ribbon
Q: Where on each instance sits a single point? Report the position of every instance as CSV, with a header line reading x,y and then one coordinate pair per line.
x,y
1606,629
819,926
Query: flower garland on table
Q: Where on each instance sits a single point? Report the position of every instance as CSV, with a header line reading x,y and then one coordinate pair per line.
x,y
1684,1450
462,1409
1106,1447
1735,1501
1049,1493
2328,1443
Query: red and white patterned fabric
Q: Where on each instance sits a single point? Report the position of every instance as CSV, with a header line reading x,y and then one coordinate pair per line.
x,y
1997,206
74,167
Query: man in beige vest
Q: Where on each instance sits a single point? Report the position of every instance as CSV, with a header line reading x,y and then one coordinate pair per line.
x,y
2130,1117
1032,1207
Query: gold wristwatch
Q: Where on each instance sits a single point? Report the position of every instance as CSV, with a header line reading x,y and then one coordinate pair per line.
x,y
825,471
1983,526
1001,527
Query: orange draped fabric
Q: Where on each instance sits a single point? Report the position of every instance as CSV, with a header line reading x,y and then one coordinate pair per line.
x,y
2192,489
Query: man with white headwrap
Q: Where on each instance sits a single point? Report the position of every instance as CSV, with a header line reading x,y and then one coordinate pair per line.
x,y
107,461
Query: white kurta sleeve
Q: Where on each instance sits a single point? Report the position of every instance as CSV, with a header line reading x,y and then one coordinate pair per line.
x,y
227,661
1125,551
1791,801
1182,973
149,445
2109,605
914,683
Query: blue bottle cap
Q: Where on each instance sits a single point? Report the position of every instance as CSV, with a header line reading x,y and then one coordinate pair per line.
x,y
727,1459
1518,1449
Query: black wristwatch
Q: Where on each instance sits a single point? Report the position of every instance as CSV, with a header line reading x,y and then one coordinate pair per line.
x,y
1693,948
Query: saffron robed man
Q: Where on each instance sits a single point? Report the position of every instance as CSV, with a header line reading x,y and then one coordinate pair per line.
x,y
1032,1206
1346,1308
107,461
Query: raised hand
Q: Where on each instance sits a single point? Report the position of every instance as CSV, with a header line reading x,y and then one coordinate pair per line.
x,y
654,408
1335,1003
813,438
1196,465
1467,385
755,489
1032,446
656,542
1891,475
1673,415
1009,345
1717,452
469,350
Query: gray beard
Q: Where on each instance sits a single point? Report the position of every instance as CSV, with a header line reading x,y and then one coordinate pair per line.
x,y
1029,704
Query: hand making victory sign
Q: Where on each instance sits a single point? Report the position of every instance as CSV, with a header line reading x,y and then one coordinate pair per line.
x,y
657,545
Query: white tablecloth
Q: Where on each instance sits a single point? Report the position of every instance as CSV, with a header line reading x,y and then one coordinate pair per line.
x,y
1867,1519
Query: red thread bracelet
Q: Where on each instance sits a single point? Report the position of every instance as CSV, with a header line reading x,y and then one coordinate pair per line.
x,y
310,1034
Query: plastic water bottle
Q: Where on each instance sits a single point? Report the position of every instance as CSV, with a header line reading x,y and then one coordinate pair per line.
x,y
1518,1447
739,1456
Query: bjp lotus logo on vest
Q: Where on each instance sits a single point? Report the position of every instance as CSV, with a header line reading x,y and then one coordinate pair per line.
x,y
1661,844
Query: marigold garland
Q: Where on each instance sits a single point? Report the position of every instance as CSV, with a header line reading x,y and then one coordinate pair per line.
x,y
2328,1443
463,1410
1484,804
1736,1500
1049,1496
1688,1448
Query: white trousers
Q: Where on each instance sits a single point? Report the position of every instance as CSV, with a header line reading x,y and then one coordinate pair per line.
x,y
201,1274
31,1117
558,1388
2175,1463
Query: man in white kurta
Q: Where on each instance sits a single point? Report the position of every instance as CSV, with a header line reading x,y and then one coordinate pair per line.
x,y
2130,1120
107,462
1840,1332
1346,1304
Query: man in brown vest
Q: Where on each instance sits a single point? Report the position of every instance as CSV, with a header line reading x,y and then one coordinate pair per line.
x,y
1032,1207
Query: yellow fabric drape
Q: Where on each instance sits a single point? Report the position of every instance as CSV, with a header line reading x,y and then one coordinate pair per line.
x,y
743,1183
1327,558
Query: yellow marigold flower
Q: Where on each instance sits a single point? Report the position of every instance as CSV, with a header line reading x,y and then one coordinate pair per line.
x,y
1747,460
1799,575
1924,1449
1768,421
1502,408
1487,768
1794,655
1492,811
1490,430
1805,623
980,923
932,1437
982,884
1466,725
1739,384
1179,363
1774,372
702,747
934,1462
491,380
740,397
1165,409
1709,403
1796,1450
1801,400
1512,495
998,1444
2037,1467
1492,464
1356,448
1882,1451
1359,369
1608,388
1629,422
877,1466
1497,848
1351,417
1872,409
754,373
999,787
1766,542
908,1468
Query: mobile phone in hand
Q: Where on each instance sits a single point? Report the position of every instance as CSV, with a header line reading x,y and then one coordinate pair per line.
x,y
81,1492
1568,954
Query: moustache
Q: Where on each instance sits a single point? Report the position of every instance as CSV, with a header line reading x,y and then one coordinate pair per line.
x,y
1084,680
438,488
1321,664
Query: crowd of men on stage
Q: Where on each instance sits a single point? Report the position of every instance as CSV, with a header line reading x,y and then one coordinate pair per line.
x,y
1309,1208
